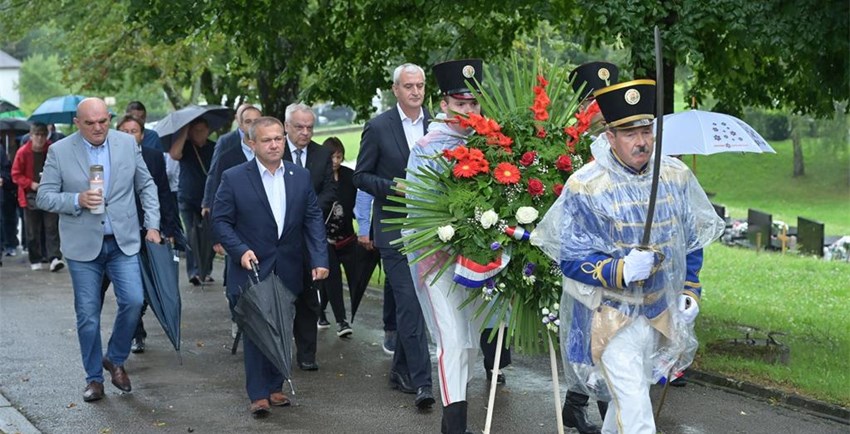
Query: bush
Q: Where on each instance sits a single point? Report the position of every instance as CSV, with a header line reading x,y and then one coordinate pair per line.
x,y
771,125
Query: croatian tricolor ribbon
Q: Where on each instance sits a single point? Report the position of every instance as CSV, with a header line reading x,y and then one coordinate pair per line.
x,y
518,233
473,275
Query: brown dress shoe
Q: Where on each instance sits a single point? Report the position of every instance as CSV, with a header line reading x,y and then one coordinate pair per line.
x,y
93,392
119,375
260,408
278,399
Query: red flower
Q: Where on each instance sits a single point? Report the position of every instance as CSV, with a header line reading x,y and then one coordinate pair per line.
x,y
557,189
506,173
542,81
541,132
483,166
528,158
535,187
465,169
475,154
564,163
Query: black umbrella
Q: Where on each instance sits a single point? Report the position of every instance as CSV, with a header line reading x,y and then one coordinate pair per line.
x,y
160,273
15,124
217,116
366,261
264,313
200,242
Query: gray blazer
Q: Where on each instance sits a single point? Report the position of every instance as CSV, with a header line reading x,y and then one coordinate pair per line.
x,y
66,173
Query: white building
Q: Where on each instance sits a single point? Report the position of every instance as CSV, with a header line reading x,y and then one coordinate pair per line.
x,y
10,73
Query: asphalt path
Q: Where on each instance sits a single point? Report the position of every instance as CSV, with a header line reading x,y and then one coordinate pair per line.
x,y
42,378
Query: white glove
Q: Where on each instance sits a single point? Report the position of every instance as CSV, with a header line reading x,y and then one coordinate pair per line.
x,y
688,308
637,265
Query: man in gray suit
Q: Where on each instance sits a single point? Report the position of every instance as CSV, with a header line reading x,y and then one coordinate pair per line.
x,y
109,242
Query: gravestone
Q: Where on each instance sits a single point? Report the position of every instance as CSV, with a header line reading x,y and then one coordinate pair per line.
x,y
810,236
759,226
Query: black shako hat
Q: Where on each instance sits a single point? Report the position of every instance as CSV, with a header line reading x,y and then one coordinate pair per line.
x,y
627,105
452,76
596,74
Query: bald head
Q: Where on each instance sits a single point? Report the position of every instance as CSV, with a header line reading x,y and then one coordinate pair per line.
x,y
92,120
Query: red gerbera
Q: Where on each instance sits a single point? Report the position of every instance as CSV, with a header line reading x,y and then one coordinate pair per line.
x,y
506,173
465,169
535,187
541,132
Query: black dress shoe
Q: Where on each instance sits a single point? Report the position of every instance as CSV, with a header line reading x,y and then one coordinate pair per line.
x,y
401,382
575,416
308,366
424,398
500,379
120,379
93,392
137,346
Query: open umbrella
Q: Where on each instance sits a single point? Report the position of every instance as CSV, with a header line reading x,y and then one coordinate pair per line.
x,y
366,262
57,110
160,273
697,132
15,124
216,116
9,110
265,312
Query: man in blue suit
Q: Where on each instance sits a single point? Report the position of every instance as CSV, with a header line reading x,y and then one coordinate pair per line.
x,y
384,148
266,212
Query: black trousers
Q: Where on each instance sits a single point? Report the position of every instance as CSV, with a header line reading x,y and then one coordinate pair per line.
x,y
306,316
330,289
489,350
42,231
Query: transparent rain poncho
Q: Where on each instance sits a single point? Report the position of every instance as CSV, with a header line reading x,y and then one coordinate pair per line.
x,y
602,210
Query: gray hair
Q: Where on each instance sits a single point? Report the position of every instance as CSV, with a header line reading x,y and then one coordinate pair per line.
x,y
298,107
262,122
407,67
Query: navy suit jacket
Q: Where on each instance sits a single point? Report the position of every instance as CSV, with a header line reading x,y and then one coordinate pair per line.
x,y
383,157
321,173
169,221
224,144
231,157
243,221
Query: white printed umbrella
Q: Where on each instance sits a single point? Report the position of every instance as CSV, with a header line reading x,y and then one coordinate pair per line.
x,y
697,132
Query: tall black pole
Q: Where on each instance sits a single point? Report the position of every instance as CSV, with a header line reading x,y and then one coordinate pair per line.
x,y
659,123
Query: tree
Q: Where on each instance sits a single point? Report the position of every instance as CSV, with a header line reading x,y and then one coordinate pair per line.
x,y
772,53
340,51
40,79
742,53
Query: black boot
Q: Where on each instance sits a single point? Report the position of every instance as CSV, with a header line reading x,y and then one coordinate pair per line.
x,y
454,419
575,414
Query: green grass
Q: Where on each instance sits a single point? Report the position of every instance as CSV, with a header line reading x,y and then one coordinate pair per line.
x,y
804,298
350,139
764,182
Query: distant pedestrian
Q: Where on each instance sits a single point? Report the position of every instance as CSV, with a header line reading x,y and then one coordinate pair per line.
x,y
101,242
42,226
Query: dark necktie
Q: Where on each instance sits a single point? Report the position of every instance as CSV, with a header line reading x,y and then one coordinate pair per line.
x,y
298,153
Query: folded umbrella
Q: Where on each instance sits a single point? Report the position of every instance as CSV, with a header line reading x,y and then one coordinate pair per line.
x,y
366,262
200,242
265,313
57,110
217,116
160,280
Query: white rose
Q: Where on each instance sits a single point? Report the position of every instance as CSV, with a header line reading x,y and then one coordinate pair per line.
x,y
526,214
445,233
488,219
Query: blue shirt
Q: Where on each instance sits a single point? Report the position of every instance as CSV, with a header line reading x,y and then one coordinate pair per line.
x,y
100,155
363,212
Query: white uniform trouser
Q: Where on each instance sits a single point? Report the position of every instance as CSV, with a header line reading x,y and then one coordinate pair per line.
x,y
624,365
455,331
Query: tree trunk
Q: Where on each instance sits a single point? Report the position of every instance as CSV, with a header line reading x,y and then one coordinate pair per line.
x,y
799,167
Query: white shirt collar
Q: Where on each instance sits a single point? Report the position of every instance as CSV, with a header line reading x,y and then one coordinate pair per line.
x,y
264,170
404,116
